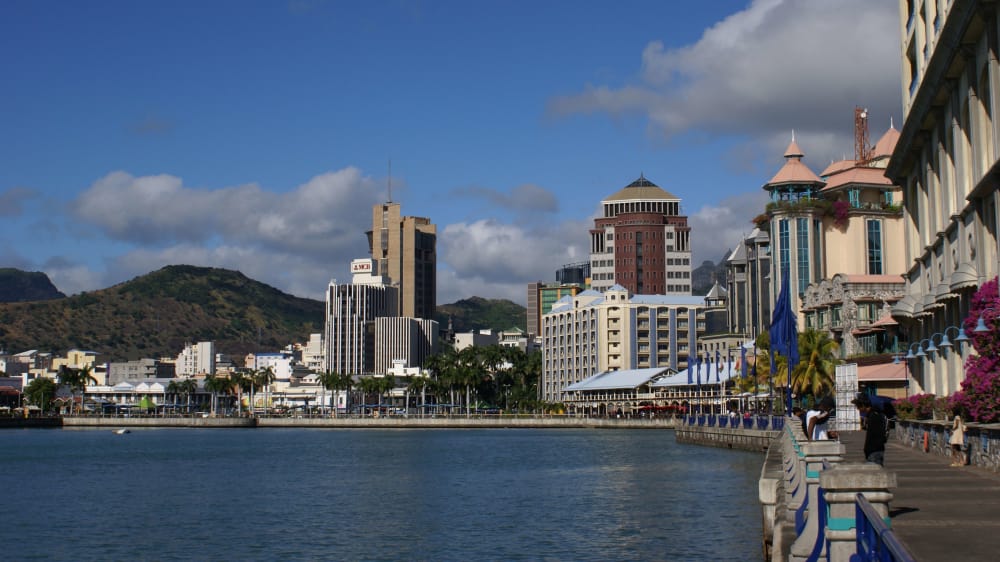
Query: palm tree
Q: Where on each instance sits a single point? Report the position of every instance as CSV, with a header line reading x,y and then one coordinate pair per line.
x,y
263,378
385,386
468,372
40,392
415,384
816,370
329,380
370,385
218,385
77,380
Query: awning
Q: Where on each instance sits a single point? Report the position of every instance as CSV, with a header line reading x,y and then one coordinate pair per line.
x,y
964,277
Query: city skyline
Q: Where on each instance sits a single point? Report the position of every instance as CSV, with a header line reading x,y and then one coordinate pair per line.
x,y
258,136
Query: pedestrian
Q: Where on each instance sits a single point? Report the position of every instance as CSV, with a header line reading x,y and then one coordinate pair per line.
x,y
800,414
875,430
817,418
957,441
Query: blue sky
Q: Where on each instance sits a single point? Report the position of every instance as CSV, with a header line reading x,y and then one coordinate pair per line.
x,y
257,135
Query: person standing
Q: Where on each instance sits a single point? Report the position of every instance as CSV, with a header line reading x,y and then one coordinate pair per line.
x,y
875,430
957,442
816,420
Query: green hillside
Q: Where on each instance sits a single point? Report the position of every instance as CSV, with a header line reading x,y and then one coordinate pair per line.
x,y
477,313
156,314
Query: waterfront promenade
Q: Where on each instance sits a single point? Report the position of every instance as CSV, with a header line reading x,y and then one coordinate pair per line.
x,y
938,512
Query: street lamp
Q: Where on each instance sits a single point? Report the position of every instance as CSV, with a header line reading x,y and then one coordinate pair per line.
x,y
981,323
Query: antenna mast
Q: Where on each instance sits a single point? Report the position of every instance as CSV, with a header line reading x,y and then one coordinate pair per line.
x,y
862,144
390,180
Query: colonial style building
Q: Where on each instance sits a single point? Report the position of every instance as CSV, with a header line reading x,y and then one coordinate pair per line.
x,y
641,242
833,235
594,332
946,162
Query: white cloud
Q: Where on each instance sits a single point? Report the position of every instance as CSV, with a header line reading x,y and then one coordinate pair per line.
x,y
779,65
319,218
716,229
489,258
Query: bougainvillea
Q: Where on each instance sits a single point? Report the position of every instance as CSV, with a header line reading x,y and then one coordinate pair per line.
x,y
918,406
841,210
980,395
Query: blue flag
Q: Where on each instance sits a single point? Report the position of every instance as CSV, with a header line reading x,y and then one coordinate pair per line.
x,y
784,334
743,361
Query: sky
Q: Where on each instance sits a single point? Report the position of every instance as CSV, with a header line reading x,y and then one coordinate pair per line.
x,y
258,135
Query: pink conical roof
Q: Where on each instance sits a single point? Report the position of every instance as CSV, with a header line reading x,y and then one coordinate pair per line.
x,y
794,171
886,144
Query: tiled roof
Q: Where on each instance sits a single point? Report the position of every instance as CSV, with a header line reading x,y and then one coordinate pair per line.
x,y
886,144
794,171
854,176
883,372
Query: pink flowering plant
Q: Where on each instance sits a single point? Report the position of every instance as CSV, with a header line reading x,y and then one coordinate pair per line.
x,y
979,398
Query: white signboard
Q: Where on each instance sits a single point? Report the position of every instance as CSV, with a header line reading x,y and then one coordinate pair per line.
x,y
361,266
847,418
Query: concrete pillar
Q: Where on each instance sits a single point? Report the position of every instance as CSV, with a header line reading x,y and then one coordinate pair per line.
x,y
814,453
841,485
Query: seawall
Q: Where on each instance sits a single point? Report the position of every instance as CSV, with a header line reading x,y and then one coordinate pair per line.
x,y
452,422
756,440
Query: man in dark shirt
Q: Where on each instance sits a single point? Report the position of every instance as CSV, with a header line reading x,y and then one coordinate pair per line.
x,y
875,429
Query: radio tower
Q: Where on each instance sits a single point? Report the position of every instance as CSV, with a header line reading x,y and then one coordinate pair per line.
x,y
862,145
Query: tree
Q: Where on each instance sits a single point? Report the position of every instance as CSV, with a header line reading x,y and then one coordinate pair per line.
x,y
370,385
980,394
40,392
328,380
262,378
385,386
815,373
185,388
218,385
77,380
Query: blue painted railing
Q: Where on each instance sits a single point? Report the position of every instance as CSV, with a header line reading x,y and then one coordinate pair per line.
x,y
876,541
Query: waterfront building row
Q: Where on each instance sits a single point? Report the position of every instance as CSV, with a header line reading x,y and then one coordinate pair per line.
x,y
593,332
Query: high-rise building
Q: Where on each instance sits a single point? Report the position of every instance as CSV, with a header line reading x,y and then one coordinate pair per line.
x,y
641,242
541,297
351,310
405,251
593,332
946,160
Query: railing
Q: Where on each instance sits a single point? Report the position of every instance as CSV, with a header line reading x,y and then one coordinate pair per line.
x,y
763,423
876,541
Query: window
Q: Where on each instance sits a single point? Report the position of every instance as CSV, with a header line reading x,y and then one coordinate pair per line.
x,y
854,197
874,247
802,238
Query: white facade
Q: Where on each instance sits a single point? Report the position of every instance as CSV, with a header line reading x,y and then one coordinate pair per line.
x,y
591,333
481,338
946,159
314,353
196,359
351,310
406,340
280,364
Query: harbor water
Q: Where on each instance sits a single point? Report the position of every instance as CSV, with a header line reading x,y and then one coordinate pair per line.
x,y
368,494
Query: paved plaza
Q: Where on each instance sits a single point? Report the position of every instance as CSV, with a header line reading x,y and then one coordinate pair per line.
x,y
939,512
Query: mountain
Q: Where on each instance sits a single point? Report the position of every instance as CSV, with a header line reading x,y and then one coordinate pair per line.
x,y
476,313
706,274
24,286
156,314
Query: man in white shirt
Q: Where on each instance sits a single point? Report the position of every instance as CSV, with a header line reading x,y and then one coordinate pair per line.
x,y
817,418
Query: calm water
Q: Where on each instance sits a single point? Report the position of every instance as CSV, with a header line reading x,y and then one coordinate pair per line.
x,y
272,494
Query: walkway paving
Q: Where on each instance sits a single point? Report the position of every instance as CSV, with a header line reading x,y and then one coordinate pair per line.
x,y
939,512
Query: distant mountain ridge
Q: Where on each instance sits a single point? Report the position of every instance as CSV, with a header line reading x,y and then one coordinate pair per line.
x,y
156,314
25,286
477,313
